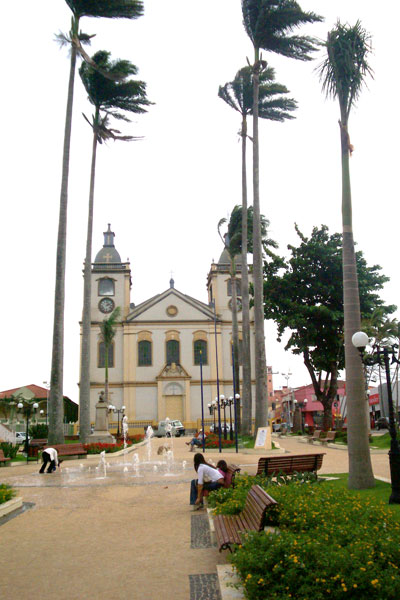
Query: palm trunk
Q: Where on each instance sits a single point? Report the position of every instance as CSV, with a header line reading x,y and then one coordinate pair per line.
x,y
84,390
261,388
235,336
106,373
360,467
56,406
246,385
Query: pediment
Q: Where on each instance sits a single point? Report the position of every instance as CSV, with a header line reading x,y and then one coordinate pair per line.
x,y
173,371
171,306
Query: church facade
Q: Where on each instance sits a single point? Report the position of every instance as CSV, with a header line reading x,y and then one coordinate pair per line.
x,y
154,362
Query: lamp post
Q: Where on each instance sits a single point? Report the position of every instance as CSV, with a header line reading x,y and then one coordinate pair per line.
x,y
212,303
47,386
117,411
223,404
230,402
236,407
27,408
380,355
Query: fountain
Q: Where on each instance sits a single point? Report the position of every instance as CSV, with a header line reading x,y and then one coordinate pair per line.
x,y
121,469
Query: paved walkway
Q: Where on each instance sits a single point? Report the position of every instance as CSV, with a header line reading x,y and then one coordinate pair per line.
x,y
121,541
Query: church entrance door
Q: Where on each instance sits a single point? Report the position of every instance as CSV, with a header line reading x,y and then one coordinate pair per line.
x,y
174,407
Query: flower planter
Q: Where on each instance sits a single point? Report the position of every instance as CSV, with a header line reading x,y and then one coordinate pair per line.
x,y
10,506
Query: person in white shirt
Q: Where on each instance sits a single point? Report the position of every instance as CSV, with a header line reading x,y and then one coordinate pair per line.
x,y
50,455
209,478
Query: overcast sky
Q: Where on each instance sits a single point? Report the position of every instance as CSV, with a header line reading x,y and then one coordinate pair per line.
x,y
164,195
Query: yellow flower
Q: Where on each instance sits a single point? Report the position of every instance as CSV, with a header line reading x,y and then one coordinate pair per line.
x,y
374,581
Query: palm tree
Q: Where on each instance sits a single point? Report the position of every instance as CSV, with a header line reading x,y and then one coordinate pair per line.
x,y
108,97
238,94
232,241
268,24
343,74
113,9
107,334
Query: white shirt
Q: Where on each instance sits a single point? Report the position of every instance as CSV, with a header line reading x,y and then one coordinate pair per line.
x,y
52,452
206,473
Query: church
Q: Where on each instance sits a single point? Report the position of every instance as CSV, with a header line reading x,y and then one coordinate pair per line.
x,y
154,361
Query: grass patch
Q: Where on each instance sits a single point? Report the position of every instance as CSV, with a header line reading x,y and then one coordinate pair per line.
x,y
381,441
247,441
381,492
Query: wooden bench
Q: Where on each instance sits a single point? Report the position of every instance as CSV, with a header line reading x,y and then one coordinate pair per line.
x,y
65,450
330,437
272,465
315,436
228,528
3,459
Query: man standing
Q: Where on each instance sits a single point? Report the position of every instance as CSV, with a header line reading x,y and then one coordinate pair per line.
x,y
50,455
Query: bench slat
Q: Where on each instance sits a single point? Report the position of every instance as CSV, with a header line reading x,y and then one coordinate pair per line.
x,y
228,528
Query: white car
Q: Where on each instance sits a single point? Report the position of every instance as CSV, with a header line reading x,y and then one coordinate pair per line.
x,y
20,437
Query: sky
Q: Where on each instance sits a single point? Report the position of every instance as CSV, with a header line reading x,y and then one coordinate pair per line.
x,y
165,194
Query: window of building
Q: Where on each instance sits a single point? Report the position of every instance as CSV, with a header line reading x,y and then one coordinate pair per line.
x,y
172,352
200,346
101,363
106,287
238,287
144,353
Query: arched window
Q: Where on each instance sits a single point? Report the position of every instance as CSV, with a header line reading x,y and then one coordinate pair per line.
x,y
106,287
144,353
238,287
200,346
101,363
172,352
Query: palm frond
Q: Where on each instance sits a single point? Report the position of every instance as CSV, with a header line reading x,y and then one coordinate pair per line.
x,y
269,23
110,9
239,95
345,68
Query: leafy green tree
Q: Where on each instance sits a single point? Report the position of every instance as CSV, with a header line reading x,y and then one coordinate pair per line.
x,y
111,99
107,334
273,105
343,74
304,295
112,9
269,24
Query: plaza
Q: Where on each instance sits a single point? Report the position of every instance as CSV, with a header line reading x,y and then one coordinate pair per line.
x,y
127,539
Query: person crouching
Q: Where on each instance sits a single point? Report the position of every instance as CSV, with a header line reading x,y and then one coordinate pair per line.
x,y
50,457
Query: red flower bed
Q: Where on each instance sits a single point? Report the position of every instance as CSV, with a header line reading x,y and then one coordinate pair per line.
x,y
98,447
212,441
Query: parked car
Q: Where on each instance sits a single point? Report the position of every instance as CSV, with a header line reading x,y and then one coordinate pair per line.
x,y
20,437
222,428
382,423
177,429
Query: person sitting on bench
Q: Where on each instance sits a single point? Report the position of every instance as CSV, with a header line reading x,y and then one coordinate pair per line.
x,y
50,455
196,441
209,478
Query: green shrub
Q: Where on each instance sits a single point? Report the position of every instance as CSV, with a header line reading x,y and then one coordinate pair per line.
x,y
10,450
330,545
39,431
6,493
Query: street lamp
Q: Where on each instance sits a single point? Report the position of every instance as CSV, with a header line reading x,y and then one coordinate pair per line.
x,y
380,355
236,408
230,403
27,408
223,404
117,411
47,386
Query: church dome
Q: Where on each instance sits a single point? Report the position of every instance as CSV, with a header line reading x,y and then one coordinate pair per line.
x,y
108,253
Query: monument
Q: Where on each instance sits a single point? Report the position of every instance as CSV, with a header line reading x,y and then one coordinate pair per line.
x,y
101,434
